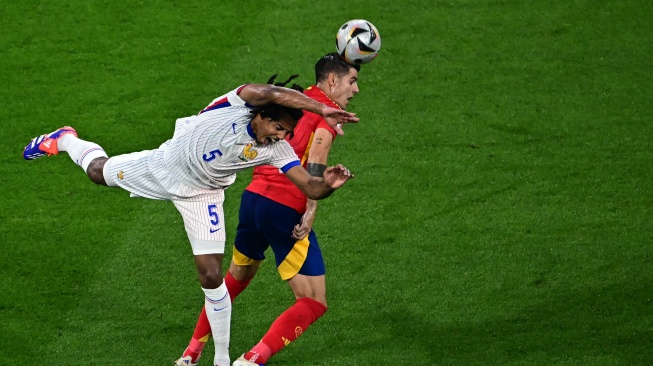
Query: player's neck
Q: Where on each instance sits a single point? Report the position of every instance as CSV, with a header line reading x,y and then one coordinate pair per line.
x,y
323,89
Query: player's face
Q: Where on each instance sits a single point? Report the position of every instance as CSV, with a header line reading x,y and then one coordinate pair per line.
x,y
344,87
270,131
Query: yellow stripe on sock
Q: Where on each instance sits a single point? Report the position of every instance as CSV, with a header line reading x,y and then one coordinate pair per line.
x,y
205,338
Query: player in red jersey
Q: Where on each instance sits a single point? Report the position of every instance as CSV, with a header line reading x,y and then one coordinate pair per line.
x,y
274,213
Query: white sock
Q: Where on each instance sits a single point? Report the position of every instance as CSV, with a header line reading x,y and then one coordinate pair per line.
x,y
218,310
82,152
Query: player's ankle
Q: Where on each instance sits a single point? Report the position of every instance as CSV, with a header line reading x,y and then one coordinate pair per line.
x,y
259,354
63,141
194,354
195,345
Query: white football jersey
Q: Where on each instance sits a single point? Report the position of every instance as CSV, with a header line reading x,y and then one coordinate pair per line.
x,y
208,149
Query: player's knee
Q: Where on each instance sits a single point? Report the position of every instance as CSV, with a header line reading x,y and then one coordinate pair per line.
x,y
243,272
321,298
95,170
210,278
209,270
323,302
318,308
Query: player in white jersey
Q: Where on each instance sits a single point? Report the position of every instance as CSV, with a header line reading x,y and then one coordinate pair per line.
x,y
241,129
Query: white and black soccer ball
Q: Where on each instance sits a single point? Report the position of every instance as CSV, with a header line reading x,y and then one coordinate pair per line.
x,y
358,41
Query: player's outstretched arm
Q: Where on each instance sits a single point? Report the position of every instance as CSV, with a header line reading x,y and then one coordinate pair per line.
x,y
261,94
319,188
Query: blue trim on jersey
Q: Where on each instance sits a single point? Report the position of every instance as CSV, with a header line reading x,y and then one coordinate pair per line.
x,y
289,166
250,131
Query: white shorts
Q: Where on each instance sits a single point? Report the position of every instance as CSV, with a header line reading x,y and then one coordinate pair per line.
x,y
144,175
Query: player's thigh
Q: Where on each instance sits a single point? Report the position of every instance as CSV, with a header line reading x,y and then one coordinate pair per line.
x,y
204,222
141,173
250,243
276,222
244,272
313,287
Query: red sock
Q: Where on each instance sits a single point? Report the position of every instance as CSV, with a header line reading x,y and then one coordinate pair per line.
x,y
201,335
202,331
288,326
234,286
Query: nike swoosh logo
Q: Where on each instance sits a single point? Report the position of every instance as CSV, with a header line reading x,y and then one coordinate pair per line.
x,y
212,231
214,309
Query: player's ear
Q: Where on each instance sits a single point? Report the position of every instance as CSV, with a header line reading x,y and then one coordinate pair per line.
x,y
332,78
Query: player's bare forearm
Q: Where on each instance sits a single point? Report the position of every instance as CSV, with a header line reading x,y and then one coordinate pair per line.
x,y
316,171
261,94
305,224
319,188
311,210
311,207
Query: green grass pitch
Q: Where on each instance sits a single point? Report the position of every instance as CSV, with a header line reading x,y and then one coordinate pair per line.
x,y
501,212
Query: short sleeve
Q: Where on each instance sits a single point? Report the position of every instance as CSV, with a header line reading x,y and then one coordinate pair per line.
x,y
235,99
231,99
323,124
283,156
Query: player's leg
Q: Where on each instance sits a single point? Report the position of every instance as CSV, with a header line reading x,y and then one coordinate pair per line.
x,y
209,278
237,279
235,285
291,323
204,223
249,246
309,287
300,262
310,305
88,155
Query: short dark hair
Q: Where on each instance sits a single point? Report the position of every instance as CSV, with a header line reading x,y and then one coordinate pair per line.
x,y
332,62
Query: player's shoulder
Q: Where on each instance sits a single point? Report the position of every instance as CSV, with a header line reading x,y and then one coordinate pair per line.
x,y
230,99
234,95
282,146
315,93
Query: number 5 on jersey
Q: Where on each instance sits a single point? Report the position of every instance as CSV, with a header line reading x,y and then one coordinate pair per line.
x,y
214,217
211,155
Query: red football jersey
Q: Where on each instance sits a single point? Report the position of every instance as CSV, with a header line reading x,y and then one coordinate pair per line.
x,y
269,182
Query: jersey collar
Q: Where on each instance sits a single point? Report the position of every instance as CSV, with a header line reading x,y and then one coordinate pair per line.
x,y
250,131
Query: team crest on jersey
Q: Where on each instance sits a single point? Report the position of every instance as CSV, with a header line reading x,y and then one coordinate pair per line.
x,y
120,175
248,153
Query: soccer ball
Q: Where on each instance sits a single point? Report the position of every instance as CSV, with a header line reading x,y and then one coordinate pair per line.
x,y
358,41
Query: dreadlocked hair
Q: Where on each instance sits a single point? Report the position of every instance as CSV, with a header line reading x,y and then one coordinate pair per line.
x,y
294,86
